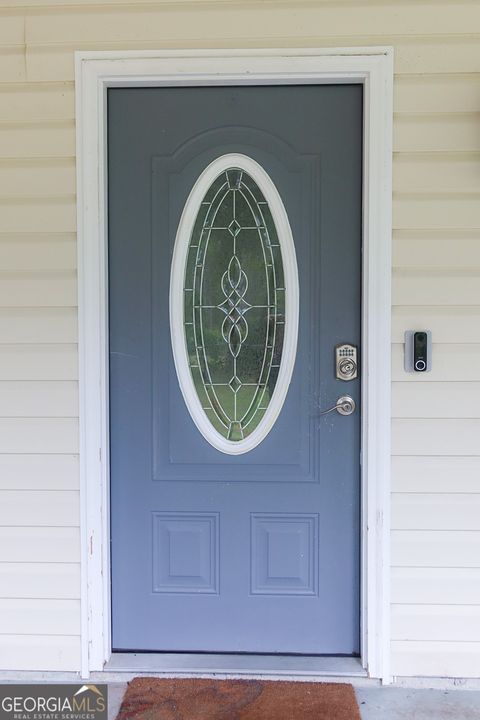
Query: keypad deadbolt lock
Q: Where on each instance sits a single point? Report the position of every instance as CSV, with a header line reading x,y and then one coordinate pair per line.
x,y
346,363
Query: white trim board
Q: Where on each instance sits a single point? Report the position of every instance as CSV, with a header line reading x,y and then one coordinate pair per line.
x,y
95,72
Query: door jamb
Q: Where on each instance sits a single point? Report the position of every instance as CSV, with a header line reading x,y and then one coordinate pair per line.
x,y
96,71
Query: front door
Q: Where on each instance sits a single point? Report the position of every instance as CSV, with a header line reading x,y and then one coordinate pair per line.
x,y
235,218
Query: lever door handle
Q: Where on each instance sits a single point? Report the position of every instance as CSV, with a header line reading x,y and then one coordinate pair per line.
x,y
345,405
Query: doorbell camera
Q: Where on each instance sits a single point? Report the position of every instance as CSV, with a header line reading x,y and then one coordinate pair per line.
x,y
418,351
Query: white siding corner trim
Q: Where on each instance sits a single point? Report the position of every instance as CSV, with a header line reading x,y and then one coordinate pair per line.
x,y
95,72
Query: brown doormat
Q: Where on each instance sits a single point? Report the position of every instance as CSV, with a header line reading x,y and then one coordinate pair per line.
x,y
159,699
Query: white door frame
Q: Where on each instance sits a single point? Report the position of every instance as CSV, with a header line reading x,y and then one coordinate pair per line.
x,y
95,72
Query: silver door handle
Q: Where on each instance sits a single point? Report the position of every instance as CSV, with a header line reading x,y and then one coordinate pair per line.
x,y
345,405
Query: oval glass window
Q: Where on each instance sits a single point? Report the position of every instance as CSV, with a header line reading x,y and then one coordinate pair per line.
x,y
234,303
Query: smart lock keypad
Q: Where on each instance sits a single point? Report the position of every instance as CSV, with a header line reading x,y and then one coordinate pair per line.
x,y
346,364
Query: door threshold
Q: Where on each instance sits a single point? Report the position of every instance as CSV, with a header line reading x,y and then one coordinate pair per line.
x,y
225,664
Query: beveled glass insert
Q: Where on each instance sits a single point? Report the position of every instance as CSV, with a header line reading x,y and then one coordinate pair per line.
x,y
234,304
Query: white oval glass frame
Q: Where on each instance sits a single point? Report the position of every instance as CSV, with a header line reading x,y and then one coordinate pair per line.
x,y
177,279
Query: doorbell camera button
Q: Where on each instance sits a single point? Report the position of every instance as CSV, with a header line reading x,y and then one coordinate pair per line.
x,y
420,365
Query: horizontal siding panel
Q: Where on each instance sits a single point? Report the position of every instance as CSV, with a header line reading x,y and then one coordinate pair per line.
x,y
12,64
39,617
435,400
435,511
425,286
15,5
12,29
418,212
53,62
38,252
449,363
435,659
39,362
435,437
50,508
39,472
436,586
28,215
447,623
437,93
436,474
47,435
42,325
38,399
436,172
37,141
40,652
185,5
436,55
37,176
91,4
437,248
38,289
435,548
144,24
40,544
436,132
448,324
55,581
36,102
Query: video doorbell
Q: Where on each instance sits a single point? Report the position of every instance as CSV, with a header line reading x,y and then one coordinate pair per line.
x,y
418,351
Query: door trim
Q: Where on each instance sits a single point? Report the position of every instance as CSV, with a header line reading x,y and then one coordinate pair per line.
x,y
95,72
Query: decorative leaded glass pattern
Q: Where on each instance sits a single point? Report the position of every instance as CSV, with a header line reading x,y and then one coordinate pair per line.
x,y
234,304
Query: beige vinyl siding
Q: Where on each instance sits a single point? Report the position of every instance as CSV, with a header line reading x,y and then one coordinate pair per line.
x,y
436,285
40,652
39,502
39,544
38,362
436,548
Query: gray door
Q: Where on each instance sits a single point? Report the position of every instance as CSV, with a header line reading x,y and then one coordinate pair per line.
x,y
212,551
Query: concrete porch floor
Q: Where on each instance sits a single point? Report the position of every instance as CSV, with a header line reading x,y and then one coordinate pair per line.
x,y
384,703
